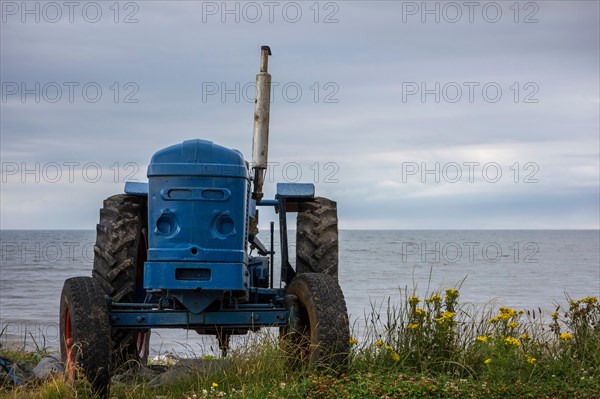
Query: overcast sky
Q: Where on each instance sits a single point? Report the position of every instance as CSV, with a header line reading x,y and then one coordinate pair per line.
x,y
411,115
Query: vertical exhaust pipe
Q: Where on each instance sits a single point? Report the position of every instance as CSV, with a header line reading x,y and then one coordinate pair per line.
x,y
260,139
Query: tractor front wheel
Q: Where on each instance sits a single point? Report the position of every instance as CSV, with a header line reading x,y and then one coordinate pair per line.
x,y
85,333
318,330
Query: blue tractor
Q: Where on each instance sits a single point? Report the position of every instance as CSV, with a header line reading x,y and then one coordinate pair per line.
x,y
182,251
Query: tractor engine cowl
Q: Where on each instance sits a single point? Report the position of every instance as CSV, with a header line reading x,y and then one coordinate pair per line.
x,y
197,207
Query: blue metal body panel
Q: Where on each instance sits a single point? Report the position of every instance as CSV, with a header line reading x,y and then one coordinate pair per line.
x,y
194,275
136,188
295,190
197,215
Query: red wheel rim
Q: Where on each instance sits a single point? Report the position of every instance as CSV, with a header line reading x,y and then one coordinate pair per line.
x,y
142,343
69,343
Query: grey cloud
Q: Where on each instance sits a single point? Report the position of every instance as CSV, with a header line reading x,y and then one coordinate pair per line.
x,y
370,55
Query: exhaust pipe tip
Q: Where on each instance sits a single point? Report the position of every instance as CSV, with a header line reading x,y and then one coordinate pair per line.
x,y
267,49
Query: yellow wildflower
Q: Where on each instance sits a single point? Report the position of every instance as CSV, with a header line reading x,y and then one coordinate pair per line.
x,y
531,360
448,315
452,293
353,341
420,312
434,298
482,339
508,311
379,343
589,300
566,336
395,357
525,337
389,348
513,324
445,317
215,385
487,361
413,326
413,300
494,320
512,341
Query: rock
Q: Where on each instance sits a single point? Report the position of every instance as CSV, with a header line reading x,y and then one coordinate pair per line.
x,y
167,359
137,374
49,365
187,367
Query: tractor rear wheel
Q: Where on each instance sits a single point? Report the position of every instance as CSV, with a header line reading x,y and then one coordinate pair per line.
x,y
318,331
119,255
317,237
85,333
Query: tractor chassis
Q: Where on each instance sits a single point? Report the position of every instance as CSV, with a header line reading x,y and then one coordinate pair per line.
x,y
246,316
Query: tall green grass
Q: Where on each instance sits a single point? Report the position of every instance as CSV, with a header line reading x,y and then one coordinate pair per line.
x,y
419,346
437,335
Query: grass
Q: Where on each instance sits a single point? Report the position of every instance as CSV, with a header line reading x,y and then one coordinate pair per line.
x,y
422,347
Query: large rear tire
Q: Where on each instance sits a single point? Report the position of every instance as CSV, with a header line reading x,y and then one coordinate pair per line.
x,y
119,256
85,333
317,237
318,332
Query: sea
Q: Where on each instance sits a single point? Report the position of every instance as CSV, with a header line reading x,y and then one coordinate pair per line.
x,y
522,269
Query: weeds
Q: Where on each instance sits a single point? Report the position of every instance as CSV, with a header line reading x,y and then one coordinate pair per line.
x,y
437,336
423,346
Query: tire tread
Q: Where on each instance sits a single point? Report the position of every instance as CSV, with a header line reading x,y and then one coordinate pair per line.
x,y
91,330
317,237
123,221
323,299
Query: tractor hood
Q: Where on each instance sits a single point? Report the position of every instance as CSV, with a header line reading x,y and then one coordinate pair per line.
x,y
198,158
